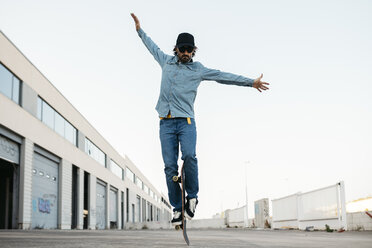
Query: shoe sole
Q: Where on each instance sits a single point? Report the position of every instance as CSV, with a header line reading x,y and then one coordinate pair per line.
x,y
187,216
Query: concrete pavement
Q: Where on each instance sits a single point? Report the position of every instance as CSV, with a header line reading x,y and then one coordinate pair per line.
x,y
171,238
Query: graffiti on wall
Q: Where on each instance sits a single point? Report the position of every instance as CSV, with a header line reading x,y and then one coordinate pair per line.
x,y
44,204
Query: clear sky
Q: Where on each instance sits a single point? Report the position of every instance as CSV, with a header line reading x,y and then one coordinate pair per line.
x,y
311,129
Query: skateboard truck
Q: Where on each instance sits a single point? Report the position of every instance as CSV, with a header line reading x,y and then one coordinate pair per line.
x,y
176,179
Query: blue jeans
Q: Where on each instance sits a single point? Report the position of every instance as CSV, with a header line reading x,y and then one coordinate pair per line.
x,y
173,133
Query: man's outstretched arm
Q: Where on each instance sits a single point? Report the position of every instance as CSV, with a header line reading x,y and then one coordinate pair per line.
x,y
230,78
158,54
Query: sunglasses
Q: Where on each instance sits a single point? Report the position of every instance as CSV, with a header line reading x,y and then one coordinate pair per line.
x,y
189,49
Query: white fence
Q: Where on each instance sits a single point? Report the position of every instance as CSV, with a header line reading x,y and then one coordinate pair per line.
x,y
315,208
236,217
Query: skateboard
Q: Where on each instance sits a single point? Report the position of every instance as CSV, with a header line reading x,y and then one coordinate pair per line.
x,y
181,180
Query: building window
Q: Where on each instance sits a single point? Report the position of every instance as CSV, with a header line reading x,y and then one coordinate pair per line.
x,y
70,133
139,182
39,108
96,153
55,121
59,124
9,84
146,189
152,194
116,169
16,87
130,174
48,115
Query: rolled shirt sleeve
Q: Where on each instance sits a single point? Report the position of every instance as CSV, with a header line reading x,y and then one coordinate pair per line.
x,y
225,77
158,54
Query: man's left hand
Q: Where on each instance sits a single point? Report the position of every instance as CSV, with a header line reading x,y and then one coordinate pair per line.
x,y
260,85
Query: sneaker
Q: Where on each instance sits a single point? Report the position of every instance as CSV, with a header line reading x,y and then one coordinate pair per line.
x,y
190,208
177,218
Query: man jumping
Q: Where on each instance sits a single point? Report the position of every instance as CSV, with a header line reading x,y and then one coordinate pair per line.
x,y
181,77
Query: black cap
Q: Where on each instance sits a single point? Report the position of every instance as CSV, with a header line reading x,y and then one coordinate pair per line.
x,y
185,39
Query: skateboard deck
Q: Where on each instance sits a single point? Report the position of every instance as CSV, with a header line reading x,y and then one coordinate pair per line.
x,y
181,180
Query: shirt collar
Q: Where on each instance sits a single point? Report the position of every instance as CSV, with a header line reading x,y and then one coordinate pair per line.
x,y
174,60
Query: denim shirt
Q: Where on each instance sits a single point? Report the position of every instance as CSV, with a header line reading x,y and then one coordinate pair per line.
x,y
180,81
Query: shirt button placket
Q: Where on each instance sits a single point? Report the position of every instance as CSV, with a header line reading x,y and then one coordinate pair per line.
x,y
171,89
170,95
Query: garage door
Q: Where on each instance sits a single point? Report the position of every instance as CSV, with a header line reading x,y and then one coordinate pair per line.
x,y
44,192
9,181
113,207
101,206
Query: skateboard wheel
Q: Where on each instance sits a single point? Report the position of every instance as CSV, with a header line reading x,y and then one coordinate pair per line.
x,y
175,178
177,227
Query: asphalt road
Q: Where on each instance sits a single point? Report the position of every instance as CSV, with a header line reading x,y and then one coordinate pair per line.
x,y
172,238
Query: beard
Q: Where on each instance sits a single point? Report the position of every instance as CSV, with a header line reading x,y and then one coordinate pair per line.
x,y
184,58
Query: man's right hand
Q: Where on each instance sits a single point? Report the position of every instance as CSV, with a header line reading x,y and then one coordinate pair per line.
x,y
136,21
260,85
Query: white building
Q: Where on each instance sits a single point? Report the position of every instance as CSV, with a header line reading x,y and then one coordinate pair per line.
x,y
56,170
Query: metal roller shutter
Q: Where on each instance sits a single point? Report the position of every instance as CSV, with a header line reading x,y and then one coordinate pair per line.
x,y
113,205
44,192
101,206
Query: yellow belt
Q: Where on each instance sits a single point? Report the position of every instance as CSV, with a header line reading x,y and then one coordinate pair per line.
x,y
169,116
